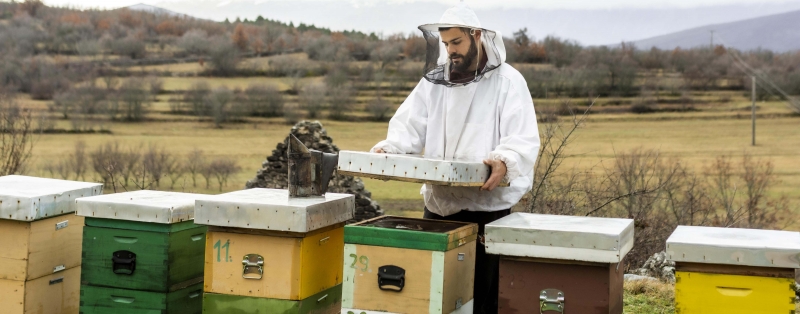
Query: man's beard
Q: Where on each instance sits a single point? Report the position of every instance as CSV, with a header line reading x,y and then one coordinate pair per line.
x,y
466,61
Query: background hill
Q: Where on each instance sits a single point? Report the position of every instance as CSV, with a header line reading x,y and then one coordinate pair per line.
x,y
779,33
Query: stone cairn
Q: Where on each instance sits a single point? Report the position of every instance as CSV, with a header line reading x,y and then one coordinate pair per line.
x,y
658,266
274,171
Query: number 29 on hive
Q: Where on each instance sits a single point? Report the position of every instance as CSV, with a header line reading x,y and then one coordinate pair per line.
x,y
219,246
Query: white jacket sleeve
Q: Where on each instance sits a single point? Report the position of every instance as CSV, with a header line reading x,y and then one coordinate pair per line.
x,y
409,124
519,133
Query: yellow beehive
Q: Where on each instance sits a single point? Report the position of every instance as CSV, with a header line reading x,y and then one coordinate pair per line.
x,y
40,251
727,270
263,244
295,266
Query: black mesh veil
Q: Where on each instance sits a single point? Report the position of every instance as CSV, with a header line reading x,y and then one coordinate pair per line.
x,y
438,64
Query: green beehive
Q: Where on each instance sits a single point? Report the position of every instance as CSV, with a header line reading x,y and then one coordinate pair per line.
x,y
102,300
143,243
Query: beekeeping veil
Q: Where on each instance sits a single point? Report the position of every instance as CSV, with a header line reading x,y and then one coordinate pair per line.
x,y
438,65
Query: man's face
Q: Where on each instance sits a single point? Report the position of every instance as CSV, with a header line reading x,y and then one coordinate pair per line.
x,y
461,48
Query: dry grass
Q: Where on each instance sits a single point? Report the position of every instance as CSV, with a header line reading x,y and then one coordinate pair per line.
x,y
696,142
648,297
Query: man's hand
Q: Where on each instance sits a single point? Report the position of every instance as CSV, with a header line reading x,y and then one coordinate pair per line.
x,y
498,173
379,151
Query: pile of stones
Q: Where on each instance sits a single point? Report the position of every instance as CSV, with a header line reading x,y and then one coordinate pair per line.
x,y
658,266
274,171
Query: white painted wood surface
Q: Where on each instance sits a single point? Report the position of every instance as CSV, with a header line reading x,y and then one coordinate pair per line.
x,y
734,246
272,209
590,239
26,198
413,167
145,206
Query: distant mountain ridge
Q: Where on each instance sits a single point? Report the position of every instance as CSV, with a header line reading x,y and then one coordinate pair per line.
x,y
154,10
778,32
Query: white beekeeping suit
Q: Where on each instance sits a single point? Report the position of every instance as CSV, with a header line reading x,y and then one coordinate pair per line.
x,y
489,117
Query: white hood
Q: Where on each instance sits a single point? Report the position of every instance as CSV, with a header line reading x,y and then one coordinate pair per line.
x,y
462,15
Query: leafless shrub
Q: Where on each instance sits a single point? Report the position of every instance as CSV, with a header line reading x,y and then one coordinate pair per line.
x,y
16,136
263,101
379,108
195,98
134,98
341,101
312,99
156,86
220,102
291,113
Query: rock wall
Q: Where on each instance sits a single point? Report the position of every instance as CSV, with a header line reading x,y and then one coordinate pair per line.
x,y
274,171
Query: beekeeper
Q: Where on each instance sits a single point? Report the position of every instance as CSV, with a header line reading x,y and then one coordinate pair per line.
x,y
470,106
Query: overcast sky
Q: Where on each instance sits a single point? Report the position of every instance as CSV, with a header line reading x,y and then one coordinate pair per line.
x,y
539,4
590,22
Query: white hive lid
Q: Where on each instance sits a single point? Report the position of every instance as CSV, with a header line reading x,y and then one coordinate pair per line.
x,y
589,239
413,168
26,198
145,206
271,209
733,246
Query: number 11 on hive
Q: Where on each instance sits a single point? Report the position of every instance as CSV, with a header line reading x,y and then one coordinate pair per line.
x,y
219,246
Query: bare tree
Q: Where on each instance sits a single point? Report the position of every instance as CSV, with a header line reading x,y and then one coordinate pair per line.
x,y
156,161
16,136
78,162
208,173
175,171
108,163
130,162
223,168
195,162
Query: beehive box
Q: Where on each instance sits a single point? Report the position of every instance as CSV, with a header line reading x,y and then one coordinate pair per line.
x,y
264,244
729,270
563,264
408,265
326,302
413,168
53,293
40,251
143,240
102,300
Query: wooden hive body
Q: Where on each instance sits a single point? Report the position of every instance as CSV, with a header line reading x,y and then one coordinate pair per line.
x,y
54,293
168,257
101,300
437,258
142,253
563,264
267,252
143,240
32,250
328,301
295,265
40,252
730,270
